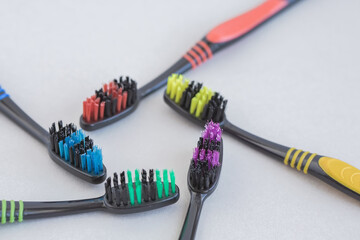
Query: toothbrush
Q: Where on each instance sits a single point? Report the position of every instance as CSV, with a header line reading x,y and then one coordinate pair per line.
x,y
203,175
100,111
66,140
199,104
121,198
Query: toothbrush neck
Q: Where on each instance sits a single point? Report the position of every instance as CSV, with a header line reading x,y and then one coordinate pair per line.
x,y
263,144
179,67
52,209
16,114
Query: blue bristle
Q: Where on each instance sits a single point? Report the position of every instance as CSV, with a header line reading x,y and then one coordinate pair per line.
x,y
83,161
66,152
88,161
71,143
81,134
100,157
61,148
67,139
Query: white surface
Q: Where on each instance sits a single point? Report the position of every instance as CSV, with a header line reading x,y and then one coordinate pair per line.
x,y
294,81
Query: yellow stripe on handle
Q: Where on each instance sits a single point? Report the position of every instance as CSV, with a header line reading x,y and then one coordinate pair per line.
x,y
286,160
296,154
302,155
301,160
308,163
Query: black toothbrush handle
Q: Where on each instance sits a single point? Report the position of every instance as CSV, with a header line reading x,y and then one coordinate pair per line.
x,y
17,211
218,38
188,230
24,121
332,171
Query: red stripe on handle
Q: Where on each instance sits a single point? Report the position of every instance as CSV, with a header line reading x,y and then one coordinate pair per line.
x,y
190,60
242,24
206,47
194,55
200,52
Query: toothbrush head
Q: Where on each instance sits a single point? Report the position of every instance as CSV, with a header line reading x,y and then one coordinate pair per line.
x,y
144,193
195,101
206,163
76,152
109,104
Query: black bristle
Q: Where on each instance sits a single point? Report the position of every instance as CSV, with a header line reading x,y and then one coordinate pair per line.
x,y
116,190
71,155
107,111
60,124
124,192
188,101
205,111
183,99
145,186
152,185
113,106
122,179
52,143
77,156
56,143
108,190
210,113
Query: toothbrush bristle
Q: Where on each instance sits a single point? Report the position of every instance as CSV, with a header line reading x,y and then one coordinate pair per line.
x,y
195,98
206,157
139,191
75,148
110,100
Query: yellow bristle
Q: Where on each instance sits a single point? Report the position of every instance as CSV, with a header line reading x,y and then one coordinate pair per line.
x,y
194,102
199,108
173,90
178,94
169,84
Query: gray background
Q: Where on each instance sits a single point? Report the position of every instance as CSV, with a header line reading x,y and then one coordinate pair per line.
x,y
294,81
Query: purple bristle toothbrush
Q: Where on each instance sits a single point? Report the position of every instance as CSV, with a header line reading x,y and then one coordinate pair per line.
x,y
203,175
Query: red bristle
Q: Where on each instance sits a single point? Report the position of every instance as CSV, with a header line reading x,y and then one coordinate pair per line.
x,y
93,97
96,111
124,100
111,85
84,110
88,112
110,91
97,101
118,106
105,87
88,100
102,109
92,109
120,91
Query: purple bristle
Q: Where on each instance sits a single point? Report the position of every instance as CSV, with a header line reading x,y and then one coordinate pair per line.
x,y
215,160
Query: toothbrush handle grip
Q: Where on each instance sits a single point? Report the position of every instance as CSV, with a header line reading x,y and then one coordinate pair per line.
x,y
192,217
12,211
219,37
13,112
334,172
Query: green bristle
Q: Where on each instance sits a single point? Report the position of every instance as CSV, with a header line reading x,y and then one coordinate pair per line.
x,y
159,184
131,188
137,177
166,182
172,178
138,193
